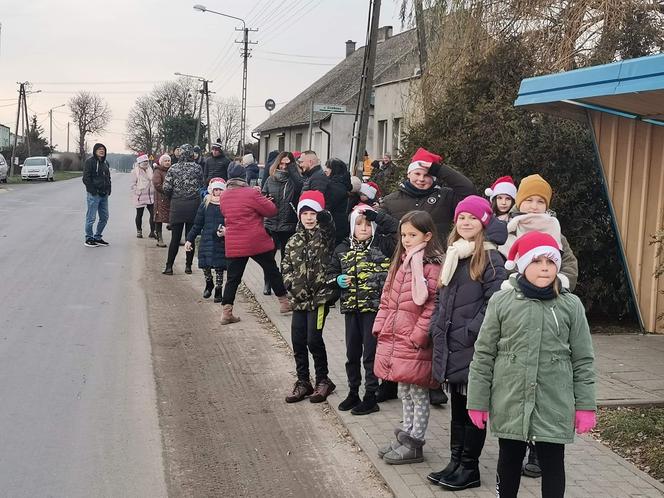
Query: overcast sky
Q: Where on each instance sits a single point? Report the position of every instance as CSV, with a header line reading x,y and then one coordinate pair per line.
x,y
122,48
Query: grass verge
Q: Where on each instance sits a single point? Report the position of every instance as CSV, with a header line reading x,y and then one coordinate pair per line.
x,y
636,434
59,175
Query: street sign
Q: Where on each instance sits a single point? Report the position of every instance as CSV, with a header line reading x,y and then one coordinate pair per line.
x,y
329,108
270,105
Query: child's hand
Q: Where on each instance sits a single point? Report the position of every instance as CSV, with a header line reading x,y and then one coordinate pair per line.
x,y
584,421
479,418
188,247
343,281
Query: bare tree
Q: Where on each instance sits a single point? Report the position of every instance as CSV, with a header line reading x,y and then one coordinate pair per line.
x,y
225,122
90,114
144,133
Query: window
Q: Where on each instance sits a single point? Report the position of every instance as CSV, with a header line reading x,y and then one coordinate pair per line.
x,y
396,136
382,138
282,143
298,141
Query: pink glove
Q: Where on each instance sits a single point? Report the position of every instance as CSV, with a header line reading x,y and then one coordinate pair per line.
x,y
584,421
479,418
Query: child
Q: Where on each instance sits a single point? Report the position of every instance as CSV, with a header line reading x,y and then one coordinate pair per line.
x,y
211,252
532,373
532,202
359,267
502,195
403,353
473,270
143,193
306,257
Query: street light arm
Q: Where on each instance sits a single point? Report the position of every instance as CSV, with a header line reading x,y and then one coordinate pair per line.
x,y
244,25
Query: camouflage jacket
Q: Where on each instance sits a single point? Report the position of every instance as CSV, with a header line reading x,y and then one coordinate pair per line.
x,y
305,260
367,263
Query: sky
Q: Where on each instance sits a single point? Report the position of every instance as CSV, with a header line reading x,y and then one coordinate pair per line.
x,y
121,49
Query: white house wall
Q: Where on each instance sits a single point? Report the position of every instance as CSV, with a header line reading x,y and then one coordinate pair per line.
x,y
392,101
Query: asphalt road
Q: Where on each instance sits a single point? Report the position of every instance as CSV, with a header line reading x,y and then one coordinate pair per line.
x,y
78,415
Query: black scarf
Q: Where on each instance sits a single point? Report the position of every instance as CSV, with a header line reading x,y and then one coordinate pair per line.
x,y
410,189
533,292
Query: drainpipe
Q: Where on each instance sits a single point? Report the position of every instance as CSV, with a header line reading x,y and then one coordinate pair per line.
x,y
320,126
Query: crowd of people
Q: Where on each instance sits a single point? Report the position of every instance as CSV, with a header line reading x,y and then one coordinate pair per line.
x,y
444,293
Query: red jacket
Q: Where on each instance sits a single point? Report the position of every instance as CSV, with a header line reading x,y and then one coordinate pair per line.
x,y
404,350
244,209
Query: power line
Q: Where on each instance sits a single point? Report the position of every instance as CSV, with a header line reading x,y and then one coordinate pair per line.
x,y
298,55
97,82
284,61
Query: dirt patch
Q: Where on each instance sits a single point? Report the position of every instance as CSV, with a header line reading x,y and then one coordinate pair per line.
x,y
225,426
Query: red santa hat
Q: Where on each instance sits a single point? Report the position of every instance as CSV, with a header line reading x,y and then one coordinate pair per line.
x,y
503,185
311,199
531,246
219,183
423,159
142,157
368,191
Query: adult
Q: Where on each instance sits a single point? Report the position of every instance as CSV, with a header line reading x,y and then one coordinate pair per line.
x,y
216,166
336,200
384,172
244,209
182,184
268,164
143,193
282,186
312,172
198,157
251,168
162,203
97,180
175,156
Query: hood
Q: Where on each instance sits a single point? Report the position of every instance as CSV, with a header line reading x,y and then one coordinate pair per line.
x,y
97,147
344,179
353,218
271,157
496,231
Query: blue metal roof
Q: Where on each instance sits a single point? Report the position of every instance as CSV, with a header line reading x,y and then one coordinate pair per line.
x,y
630,76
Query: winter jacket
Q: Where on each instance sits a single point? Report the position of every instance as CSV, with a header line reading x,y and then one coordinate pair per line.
x,y
307,254
315,179
336,202
460,308
367,263
141,186
216,167
533,366
403,353
244,208
210,247
97,175
285,189
182,184
439,201
385,175
162,204
253,172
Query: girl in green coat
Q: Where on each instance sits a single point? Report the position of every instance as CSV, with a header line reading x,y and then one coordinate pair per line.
x,y
532,372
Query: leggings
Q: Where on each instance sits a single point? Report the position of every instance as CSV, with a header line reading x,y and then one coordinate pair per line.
x,y
552,462
176,235
459,411
416,406
139,217
235,269
207,273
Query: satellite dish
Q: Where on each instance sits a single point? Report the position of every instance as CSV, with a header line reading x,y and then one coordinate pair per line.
x,y
270,105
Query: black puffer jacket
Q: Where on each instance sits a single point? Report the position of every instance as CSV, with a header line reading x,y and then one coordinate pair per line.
x,y
336,202
284,187
459,312
216,167
315,179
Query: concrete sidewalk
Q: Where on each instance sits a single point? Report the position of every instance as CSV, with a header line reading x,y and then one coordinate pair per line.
x,y
630,371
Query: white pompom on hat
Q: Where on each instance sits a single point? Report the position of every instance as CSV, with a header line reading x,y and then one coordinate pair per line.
x,y
503,185
531,246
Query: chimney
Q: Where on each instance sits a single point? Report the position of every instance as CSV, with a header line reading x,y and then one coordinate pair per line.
x,y
384,33
350,47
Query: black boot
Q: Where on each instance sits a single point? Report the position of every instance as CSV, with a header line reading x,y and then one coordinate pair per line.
x,y
168,270
532,467
152,235
467,474
267,290
437,397
219,285
386,390
209,285
218,292
457,430
187,269
351,401
368,405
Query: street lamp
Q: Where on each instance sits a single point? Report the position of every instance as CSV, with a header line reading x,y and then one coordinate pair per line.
x,y
200,108
245,56
50,125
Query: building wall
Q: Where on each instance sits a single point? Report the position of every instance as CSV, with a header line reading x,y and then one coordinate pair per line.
x,y
392,103
4,137
632,156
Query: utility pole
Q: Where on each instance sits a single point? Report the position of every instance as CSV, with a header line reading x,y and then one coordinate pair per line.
x,y
21,90
421,34
366,86
200,115
207,112
245,56
67,136
50,124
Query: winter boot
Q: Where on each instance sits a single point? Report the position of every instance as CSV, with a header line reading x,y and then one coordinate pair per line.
x,y
457,431
467,474
532,467
301,390
410,451
393,445
218,293
368,405
437,397
187,269
284,305
386,390
322,390
139,234
160,240
351,401
152,235
169,269
209,285
227,315
267,289
219,285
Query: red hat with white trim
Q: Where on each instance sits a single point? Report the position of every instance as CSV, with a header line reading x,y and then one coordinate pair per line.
x,y
311,199
423,159
142,157
368,191
503,185
219,183
531,246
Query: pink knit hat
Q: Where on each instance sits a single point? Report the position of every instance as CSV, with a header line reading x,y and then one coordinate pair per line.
x,y
477,206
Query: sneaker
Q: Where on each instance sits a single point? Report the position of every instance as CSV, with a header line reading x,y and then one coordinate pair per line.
x,y
90,243
351,401
301,390
368,405
323,389
101,242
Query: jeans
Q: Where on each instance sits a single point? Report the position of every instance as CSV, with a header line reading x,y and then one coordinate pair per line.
x,y
96,204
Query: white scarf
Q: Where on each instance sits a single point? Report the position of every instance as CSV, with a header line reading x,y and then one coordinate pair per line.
x,y
461,249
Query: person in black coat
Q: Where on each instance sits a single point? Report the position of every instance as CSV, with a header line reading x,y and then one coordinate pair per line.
x,y
216,166
97,181
268,164
336,200
312,172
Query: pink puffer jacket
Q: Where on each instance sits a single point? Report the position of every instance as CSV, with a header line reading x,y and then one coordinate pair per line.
x,y
404,350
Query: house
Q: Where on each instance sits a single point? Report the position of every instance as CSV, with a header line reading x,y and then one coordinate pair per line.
x,y
397,66
4,137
